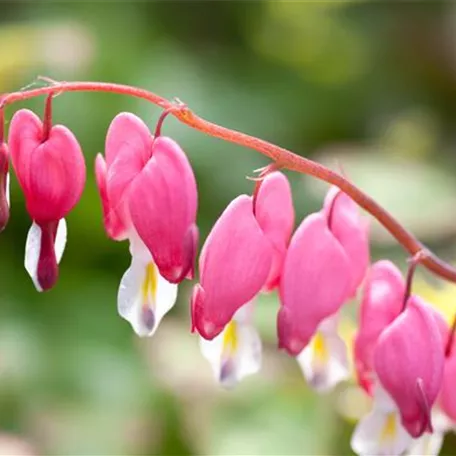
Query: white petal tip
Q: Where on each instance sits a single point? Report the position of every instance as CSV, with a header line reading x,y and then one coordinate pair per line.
x,y
144,297
32,253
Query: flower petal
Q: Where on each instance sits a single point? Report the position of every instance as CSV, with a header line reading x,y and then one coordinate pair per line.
x,y
112,223
144,296
381,303
351,231
33,250
314,284
426,445
163,203
236,352
431,444
275,215
380,432
409,362
127,150
324,360
234,264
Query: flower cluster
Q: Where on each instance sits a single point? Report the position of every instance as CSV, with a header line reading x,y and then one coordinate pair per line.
x,y
403,350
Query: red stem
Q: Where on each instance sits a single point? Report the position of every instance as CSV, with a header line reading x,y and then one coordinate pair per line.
x,y
449,344
162,118
47,118
413,263
284,158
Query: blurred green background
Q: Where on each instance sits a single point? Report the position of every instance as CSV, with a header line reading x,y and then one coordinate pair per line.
x,y
368,87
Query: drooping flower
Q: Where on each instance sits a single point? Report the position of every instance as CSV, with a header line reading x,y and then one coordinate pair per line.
x,y
409,363
315,282
4,186
236,351
381,303
51,172
324,267
234,265
380,432
149,196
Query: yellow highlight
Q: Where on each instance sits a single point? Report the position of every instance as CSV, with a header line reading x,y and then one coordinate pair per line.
x,y
230,339
149,286
389,430
320,349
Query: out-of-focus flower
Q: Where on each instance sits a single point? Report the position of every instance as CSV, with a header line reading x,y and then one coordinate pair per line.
x,y
409,362
381,303
236,351
324,361
380,432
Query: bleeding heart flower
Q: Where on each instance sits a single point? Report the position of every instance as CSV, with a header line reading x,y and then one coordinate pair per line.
x,y
409,362
315,282
234,265
381,303
147,184
51,172
252,234
148,194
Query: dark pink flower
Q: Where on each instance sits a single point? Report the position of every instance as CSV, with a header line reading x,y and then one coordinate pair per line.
x,y
51,172
147,187
409,362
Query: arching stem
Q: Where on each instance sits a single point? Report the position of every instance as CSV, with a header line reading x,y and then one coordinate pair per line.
x,y
286,158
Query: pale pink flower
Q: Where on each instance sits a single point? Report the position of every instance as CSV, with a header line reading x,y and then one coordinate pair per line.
x,y
409,363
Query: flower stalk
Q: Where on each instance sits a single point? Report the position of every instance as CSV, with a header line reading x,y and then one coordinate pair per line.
x,y
286,158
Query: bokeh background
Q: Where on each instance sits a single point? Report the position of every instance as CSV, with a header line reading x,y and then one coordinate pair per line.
x,y
368,87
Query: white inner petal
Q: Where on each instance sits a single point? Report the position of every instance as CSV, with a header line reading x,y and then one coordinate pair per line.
x,y
426,445
60,239
33,248
144,296
32,253
324,361
236,352
380,432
